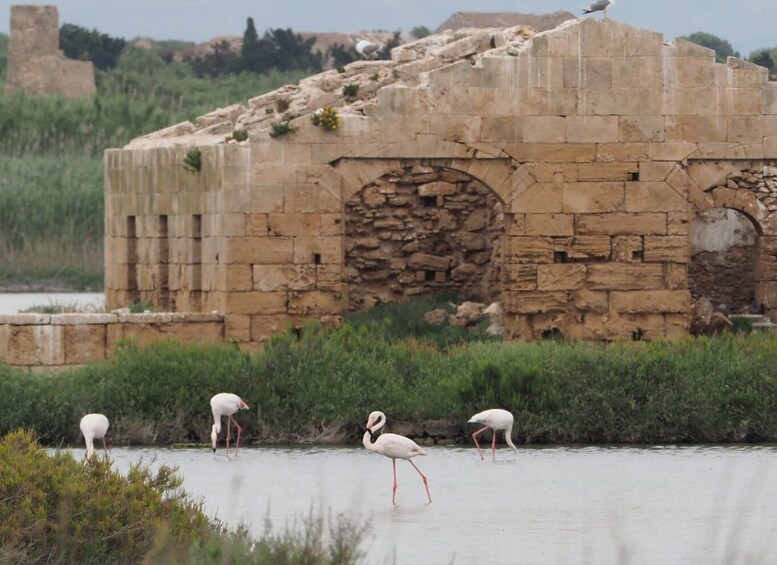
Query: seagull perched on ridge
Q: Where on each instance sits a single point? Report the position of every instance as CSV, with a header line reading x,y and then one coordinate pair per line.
x,y
368,49
599,6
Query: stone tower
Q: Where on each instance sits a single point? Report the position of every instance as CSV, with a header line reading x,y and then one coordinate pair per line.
x,y
35,63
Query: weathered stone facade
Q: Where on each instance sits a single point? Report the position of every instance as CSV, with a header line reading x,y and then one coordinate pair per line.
x,y
35,63
596,143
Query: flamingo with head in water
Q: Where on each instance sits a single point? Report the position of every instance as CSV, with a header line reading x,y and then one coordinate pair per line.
x,y
94,426
495,420
393,446
225,404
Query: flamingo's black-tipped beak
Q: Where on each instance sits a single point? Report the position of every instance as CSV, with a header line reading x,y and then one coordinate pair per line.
x,y
214,450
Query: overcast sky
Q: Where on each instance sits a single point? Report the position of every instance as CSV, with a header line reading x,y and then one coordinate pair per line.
x,y
746,24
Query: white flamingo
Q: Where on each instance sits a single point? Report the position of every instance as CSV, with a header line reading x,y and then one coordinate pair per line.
x,y
94,426
496,420
393,446
225,404
368,49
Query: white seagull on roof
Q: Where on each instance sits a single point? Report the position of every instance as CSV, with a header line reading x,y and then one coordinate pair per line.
x,y
599,6
368,49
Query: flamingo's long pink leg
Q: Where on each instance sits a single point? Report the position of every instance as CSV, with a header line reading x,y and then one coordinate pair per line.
x,y
394,490
493,444
426,483
475,437
228,420
239,429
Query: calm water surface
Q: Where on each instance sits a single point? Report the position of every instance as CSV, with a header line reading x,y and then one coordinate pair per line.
x,y
598,505
13,302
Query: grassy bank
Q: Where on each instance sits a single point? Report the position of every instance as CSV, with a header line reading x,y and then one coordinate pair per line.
x,y
54,509
321,388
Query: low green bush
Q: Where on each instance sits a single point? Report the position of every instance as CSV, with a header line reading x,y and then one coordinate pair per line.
x,y
54,509
303,388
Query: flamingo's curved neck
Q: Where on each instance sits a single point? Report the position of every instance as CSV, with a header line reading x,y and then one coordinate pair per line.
x,y
367,438
217,422
89,440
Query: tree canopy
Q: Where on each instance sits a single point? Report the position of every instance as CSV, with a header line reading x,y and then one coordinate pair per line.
x,y
723,49
99,48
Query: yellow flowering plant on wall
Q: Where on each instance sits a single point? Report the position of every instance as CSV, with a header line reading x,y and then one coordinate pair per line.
x,y
327,118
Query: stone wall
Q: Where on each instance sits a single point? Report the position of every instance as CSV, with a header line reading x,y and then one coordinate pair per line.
x,y
591,149
35,63
42,342
419,231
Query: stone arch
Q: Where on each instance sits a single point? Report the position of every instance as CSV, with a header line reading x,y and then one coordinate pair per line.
x,y
421,228
749,188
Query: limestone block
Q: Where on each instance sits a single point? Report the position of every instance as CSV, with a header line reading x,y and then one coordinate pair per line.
x,y
583,248
745,101
501,129
272,278
585,300
667,249
5,336
425,261
540,198
588,72
627,248
742,200
552,152
672,151
693,72
309,198
625,276
621,102
84,343
257,225
520,277
770,147
255,302
651,301
193,332
656,171
437,189
744,129
696,128
318,250
544,129
641,128
331,224
329,277
592,129
677,325
620,152
654,197
638,72
464,129
261,198
678,223
36,345
676,276
267,250
560,277
589,197
293,224
536,302
237,277
515,224
315,303
237,327
549,224
683,48
528,249
611,327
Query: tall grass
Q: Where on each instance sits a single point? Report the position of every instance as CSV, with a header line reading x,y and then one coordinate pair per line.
x,y
306,389
51,177
51,220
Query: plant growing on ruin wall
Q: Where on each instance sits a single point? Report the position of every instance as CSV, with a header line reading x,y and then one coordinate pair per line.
x,y
193,160
280,129
240,135
326,118
350,90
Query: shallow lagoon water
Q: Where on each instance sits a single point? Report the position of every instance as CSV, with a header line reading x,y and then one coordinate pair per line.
x,y
13,302
599,505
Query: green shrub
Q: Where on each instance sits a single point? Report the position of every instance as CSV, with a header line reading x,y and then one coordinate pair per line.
x,y
350,90
54,509
240,135
280,129
193,160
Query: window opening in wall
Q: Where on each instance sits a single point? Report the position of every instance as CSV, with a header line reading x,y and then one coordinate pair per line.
x,y
560,257
317,258
430,275
637,256
429,201
634,176
196,283
637,335
297,333
163,244
552,334
133,294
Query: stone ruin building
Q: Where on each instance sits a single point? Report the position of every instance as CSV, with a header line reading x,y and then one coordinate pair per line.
x,y
36,65
568,174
